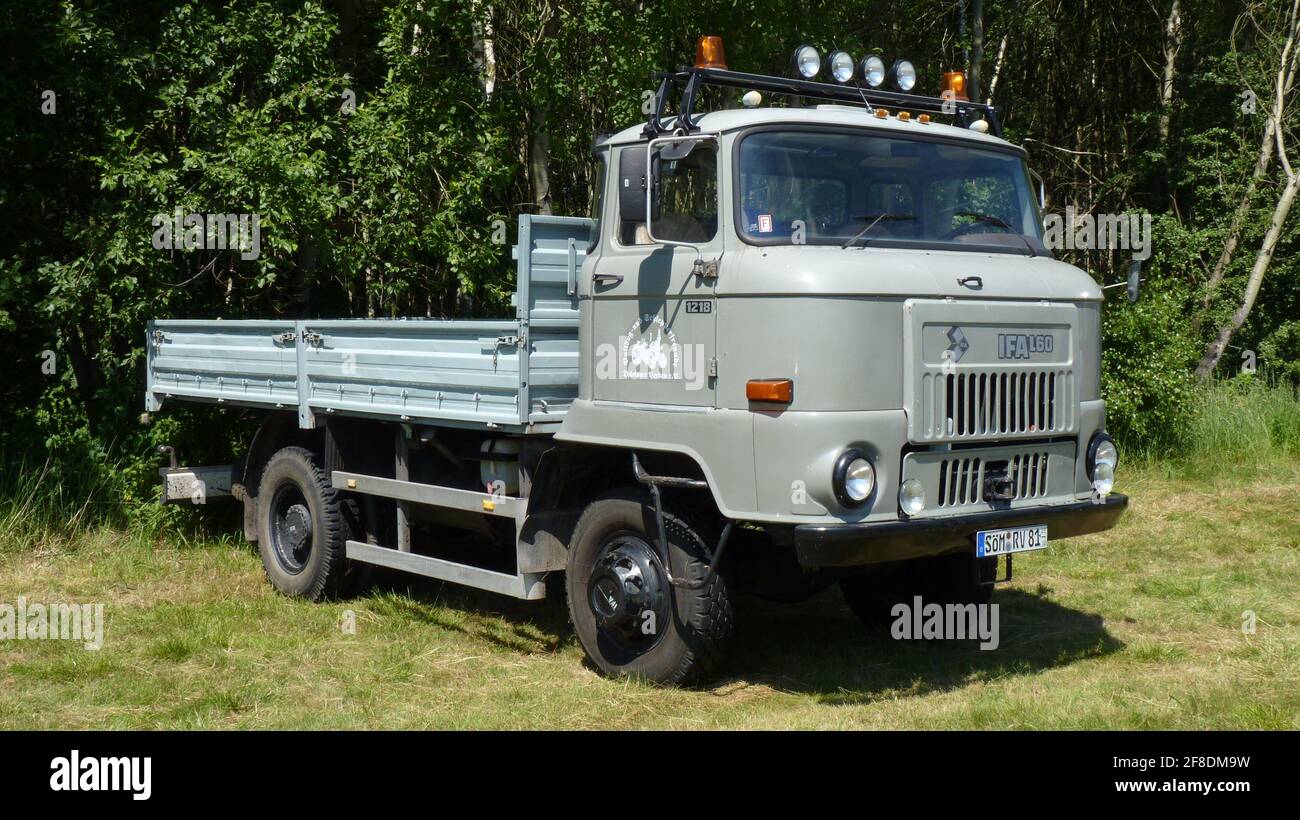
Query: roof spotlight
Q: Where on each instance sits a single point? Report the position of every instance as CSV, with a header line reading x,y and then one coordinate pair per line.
x,y
839,64
807,62
872,70
902,75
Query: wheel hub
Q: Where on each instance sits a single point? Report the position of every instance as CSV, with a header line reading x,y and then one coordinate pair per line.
x,y
627,592
291,529
297,526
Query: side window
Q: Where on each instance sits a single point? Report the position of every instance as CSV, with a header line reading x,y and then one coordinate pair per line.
x,y
598,198
688,196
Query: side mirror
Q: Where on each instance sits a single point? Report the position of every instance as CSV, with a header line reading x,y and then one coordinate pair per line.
x,y
1134,279
1042,190
666,150
632,184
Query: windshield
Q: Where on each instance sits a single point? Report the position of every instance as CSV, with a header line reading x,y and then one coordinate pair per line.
x,y
860,189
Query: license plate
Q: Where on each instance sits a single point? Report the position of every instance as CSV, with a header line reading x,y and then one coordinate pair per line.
x,y
1015,539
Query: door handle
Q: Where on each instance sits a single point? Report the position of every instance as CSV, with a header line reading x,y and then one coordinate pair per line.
x,y
607,278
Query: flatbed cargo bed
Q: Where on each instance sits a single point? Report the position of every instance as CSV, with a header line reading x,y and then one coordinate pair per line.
x,y
516,374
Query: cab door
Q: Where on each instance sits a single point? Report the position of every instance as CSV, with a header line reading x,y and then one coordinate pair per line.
x,y
653,302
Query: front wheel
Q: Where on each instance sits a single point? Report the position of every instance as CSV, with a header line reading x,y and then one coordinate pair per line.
x,y
629,618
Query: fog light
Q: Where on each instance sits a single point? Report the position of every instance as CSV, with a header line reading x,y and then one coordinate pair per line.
x,y
807,62
1103,458
872,69
839,64
1103,479
911,497
902,75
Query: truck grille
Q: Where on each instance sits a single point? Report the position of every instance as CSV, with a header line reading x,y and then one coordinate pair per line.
x,y
978,404
961,480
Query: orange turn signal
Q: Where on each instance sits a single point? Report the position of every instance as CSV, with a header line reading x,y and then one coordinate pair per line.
x,y
779,390
954,85
708,53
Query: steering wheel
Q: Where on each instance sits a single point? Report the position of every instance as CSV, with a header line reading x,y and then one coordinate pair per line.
x,y
969,227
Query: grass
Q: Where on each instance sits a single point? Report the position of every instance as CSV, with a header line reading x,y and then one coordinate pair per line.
x,y
1140,628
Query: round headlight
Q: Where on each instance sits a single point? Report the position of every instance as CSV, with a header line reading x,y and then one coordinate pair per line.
x,y
854,478
872,69
903,73
807,62
911,497
840,66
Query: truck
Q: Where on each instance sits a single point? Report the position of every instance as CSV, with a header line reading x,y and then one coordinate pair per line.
x,y
794,346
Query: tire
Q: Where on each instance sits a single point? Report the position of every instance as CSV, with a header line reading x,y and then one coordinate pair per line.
x,y
943,579
294,496
691,628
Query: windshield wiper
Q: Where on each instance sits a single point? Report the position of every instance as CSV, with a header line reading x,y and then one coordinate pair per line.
x,y
989,219
875,219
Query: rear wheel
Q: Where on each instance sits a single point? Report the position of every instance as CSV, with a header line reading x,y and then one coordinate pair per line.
x,y
629,618
302,527
943,579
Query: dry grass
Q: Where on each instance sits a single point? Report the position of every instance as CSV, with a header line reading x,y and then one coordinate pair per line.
x,y
1138,628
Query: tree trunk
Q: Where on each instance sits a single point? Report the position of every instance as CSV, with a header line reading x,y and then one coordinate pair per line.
x,y
539,159
1173,42
977,47
1215,351
997,69
1282,87
1266,148
1238,220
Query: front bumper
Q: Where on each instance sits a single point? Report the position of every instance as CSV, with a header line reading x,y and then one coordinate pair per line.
x,y
850,545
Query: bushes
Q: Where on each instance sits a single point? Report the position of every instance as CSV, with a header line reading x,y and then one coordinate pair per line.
x,y
1146,380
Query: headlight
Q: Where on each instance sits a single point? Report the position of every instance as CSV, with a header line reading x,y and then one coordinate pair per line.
x,y
872,69
911,497
903,75
854,478
807,62
840,66
1103,458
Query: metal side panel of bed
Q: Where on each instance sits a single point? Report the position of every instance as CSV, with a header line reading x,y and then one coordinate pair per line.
x,y
517,374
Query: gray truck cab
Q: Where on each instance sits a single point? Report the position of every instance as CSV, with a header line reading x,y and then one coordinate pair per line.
x,y
796,346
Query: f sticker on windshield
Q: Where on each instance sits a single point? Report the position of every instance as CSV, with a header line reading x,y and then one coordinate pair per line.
x,y
764,223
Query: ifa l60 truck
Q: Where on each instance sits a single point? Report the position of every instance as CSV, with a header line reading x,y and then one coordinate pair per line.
x,y
796,346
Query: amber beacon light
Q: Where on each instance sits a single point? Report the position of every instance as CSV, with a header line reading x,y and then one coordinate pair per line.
x,y
954,85
708,53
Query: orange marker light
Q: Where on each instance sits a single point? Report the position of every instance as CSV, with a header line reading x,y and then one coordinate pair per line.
x,y
924,119
882,113
708,53
778,390
904,116
954,85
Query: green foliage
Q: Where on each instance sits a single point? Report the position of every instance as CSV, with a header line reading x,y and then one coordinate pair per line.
x,y
1145,376
388,209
